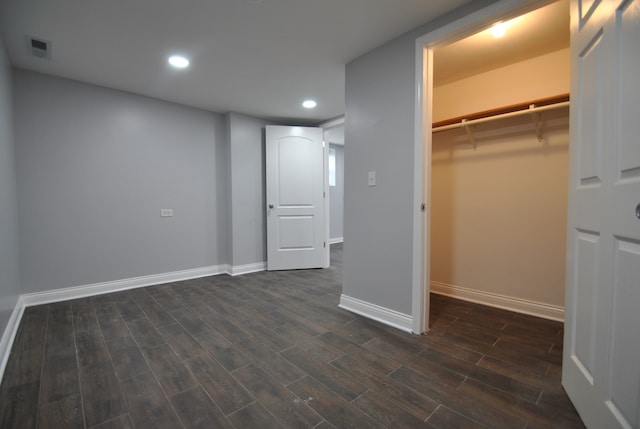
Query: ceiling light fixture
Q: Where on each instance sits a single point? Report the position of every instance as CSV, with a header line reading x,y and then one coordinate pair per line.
x,y
178,61
309,104
499,30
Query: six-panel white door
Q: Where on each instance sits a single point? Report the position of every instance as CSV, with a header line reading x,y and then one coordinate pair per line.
x,y
295,198
601,363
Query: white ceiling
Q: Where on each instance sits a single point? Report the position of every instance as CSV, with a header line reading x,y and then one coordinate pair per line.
x,y
257,57
536,33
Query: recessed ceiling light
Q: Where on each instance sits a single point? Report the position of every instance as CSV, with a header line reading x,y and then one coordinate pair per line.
x,y
178,61
309,104
499,30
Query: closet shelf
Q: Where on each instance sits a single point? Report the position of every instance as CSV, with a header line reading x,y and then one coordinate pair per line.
x,y
533,108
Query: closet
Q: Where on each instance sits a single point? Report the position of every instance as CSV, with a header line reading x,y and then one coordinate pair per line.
x,y
499,171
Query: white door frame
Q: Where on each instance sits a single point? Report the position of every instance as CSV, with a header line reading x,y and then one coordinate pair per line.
x,y
464,27
326,126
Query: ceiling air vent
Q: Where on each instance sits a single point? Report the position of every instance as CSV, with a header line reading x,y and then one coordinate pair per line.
x,y
38,48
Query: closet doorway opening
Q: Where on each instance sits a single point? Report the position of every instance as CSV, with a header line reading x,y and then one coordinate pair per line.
x,y
495,161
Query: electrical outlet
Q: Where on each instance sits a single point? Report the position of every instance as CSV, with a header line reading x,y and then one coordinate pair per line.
x,y
166,212
372,178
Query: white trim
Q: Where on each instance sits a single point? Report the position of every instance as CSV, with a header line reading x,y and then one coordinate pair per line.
x,y
383,315
75,292
336,240
519,305
327,203
9,335
65,294
236,270
332,123
337,122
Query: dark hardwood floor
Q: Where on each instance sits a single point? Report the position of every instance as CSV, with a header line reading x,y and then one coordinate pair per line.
x,y
272,350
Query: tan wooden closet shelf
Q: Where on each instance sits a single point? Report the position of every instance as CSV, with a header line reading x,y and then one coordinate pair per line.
x,y
533,108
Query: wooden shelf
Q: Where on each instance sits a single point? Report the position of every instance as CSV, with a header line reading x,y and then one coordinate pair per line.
x,y
526,106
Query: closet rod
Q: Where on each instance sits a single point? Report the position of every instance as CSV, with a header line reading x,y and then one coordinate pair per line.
x,y
498,112
530,110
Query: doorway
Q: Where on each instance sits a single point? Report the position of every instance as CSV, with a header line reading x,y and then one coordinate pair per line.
x,y
498,222
334,139
425,50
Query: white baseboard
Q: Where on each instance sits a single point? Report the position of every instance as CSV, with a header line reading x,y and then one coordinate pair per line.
x,y
336,240
384,315
9,335
519,305
236,270
65,294
75,292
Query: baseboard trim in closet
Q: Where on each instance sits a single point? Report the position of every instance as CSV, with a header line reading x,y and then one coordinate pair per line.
x,y
518,305
384,315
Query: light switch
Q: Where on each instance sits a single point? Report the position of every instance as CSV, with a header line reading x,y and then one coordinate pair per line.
x,y
372,178
166,212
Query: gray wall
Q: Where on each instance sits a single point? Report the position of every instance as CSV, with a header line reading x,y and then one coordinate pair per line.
x,y
95,166
379,127
247,203
336,196
9,246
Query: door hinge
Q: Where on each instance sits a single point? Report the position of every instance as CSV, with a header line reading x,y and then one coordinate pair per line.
x,y
324,244
423,207
324,194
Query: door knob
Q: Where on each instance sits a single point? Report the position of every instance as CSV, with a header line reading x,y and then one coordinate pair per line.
x,y
271,206
638,211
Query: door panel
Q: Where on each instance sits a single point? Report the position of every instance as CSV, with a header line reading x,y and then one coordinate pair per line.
x,y
583,347
601,367
296,233
625,372
629,71
295,185
590,71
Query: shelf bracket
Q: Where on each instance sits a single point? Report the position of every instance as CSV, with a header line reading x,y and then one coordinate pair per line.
x,y
466,127
537,122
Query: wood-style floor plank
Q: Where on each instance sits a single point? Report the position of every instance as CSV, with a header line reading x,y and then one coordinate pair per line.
x,y
340,382
445,418
274,350
488,414
287,408
170,370
122,422
147,404
127,358
254,415
101,394
394,392
387,413
19,405
221,386
331,406
62,413
196,410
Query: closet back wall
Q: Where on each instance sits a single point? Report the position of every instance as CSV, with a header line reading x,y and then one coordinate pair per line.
x,y
498,213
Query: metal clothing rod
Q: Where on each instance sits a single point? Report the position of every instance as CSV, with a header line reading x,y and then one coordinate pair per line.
x,y
532,109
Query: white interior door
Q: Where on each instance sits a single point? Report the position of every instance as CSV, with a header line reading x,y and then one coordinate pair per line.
x,y
601,368
296,233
